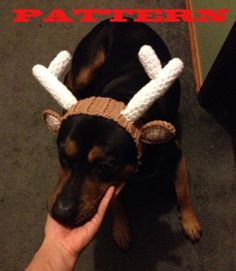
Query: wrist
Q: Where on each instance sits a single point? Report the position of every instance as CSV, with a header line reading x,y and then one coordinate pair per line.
x,y
59,251
52,255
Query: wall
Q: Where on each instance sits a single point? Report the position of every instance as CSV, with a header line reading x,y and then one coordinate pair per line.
x,y
210,36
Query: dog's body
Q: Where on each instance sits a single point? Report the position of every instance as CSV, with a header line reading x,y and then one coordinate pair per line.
x,y
96,153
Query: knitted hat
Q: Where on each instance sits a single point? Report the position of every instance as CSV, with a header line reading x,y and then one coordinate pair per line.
x,y
126,116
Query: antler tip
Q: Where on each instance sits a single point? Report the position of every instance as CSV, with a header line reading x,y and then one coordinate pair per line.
x,y
177,63
64,55
146,50
37,68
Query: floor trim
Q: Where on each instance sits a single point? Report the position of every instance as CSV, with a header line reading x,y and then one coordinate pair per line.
x,y
194,50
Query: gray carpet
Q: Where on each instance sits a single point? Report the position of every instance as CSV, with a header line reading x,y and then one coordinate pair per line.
x,y
29,161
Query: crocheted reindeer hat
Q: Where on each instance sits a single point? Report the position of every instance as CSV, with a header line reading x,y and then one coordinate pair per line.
x,y
126,116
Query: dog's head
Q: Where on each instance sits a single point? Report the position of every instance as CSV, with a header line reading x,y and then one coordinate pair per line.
x,y
100,140
94,153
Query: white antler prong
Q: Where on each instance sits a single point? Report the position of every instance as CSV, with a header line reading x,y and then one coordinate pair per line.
x,y
150,61
59,64
157,87
48,78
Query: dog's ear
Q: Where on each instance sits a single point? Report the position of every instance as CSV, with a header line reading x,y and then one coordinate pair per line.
x,y
158,131
52,120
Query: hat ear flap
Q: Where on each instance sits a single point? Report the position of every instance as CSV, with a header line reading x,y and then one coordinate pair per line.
x,y
157,132
52,120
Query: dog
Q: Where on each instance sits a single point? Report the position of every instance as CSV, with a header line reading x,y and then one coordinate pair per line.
x,y
96,152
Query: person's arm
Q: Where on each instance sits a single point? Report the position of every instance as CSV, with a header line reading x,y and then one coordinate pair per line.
x,y
52,256
62,246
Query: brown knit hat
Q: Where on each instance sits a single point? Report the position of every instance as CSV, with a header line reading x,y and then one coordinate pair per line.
x,y
151,133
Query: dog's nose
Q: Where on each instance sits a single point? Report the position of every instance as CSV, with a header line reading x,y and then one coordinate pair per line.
x,y
64,211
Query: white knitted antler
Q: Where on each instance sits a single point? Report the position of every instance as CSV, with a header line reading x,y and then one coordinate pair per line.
x,y
150,61
161,80
157,87
59,64
48,78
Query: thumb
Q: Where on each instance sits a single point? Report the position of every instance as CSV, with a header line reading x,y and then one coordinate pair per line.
x,y
92,226
103,206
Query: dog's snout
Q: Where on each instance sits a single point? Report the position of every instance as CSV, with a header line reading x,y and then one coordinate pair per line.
x,y
64,211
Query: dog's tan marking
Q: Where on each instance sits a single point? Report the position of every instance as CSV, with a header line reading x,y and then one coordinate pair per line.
x,y
63,178
91,193
70,147
189,220
182,189
85,76
87,73
95,153
68,81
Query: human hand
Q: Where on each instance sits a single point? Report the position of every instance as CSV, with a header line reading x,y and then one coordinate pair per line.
x,y
62,246
76,239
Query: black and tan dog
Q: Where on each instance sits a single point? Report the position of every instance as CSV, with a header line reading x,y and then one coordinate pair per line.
x,y
95,152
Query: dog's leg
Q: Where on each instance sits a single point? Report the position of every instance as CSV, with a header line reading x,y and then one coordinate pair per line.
x,y
189,220
120,227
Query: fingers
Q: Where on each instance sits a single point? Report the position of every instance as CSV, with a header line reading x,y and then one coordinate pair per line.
x,y
110,193
90,228
105,202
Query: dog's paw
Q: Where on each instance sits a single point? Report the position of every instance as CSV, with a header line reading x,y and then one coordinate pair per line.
x,y
191,225
121,234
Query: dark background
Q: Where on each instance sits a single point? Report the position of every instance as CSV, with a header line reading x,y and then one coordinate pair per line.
x,y
28,167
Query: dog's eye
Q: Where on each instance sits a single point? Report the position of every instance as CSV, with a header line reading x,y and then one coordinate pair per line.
x,y
66,162
103,171
104,167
